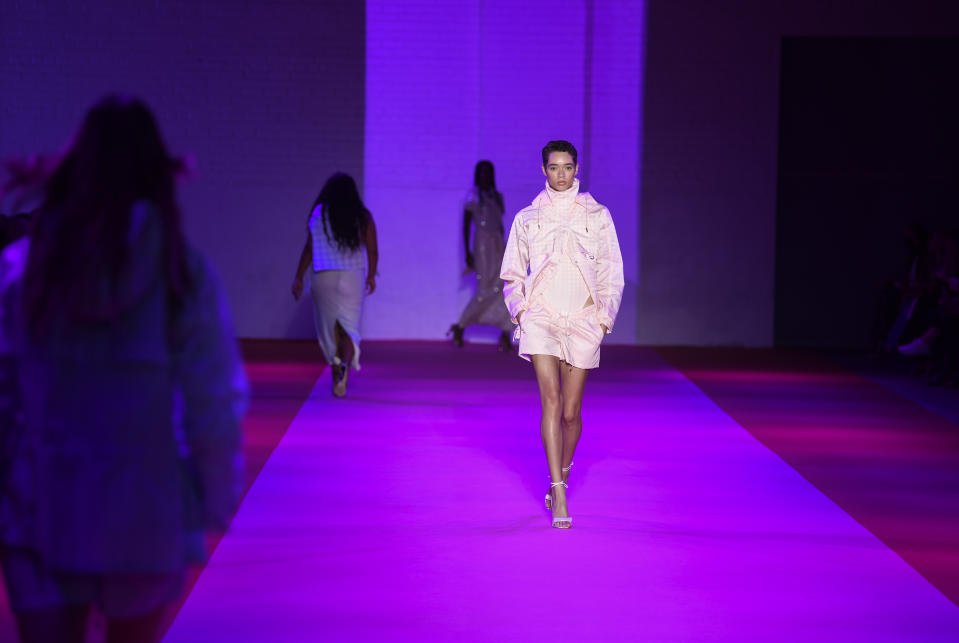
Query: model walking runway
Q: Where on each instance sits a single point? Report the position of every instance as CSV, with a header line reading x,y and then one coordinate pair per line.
x,y
412,510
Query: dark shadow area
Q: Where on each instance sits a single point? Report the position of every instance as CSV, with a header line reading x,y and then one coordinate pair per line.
x,y
868,144
899,375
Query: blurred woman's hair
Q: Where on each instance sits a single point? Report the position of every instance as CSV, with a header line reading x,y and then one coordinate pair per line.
x,y
344,215
484,178
80,242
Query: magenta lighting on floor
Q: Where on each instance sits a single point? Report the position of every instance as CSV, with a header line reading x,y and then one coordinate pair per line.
x,y
412,511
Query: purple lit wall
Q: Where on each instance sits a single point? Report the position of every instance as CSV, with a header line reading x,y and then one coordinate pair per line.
x,y
710,134
496,80
271,98
268,97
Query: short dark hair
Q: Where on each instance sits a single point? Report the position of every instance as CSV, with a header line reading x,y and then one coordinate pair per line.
x,y
559,146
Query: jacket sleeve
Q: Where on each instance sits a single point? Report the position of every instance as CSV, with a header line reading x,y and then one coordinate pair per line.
x,y
515,269
12,262
609,273
214,394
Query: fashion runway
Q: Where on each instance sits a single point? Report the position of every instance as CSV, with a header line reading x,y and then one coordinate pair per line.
x,y
413,510
717,495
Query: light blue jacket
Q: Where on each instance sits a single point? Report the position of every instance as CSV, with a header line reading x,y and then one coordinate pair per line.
x,y
122,439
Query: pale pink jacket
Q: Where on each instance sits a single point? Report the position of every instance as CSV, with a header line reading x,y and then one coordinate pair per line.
x,y
590,238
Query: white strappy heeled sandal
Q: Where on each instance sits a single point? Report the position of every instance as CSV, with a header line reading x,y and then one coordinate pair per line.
x,y
560,522
549,497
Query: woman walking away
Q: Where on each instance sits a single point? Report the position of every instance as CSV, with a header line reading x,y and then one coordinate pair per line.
x,y
121,392
341,248
484,210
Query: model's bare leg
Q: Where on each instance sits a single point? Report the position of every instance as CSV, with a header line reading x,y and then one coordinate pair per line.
x,y
344,352
573,383
550,395
344,344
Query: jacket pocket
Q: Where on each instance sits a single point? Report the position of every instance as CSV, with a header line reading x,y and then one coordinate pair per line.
x,y
588,251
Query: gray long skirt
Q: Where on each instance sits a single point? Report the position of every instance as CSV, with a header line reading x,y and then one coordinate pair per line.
x,y
338,297
487,306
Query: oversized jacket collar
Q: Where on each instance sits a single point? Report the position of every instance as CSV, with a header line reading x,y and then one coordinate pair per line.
x,y
583,204
545,199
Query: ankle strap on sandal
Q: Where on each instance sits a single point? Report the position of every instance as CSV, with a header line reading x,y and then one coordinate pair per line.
x,y
556,484
567,468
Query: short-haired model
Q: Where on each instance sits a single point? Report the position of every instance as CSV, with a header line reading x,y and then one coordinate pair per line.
x,y
564,283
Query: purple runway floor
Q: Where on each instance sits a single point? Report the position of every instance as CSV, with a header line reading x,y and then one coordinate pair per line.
x,y
413,510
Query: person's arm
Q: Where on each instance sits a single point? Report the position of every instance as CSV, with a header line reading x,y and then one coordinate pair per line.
x,y
372,256
609,273
214,392
306,258
12,262
467,215
514,270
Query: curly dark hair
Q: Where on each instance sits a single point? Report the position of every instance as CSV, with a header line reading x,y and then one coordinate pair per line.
x,y
343,211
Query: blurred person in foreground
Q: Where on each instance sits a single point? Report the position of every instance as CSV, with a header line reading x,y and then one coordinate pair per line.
x,y
121,391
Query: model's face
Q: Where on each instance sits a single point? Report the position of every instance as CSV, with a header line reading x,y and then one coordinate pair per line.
x,y
560,170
